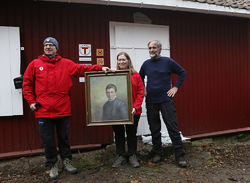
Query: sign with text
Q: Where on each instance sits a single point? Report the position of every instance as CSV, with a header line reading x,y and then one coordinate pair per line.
x,y
85,50
85,59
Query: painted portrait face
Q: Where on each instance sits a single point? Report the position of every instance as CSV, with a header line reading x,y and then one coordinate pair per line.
x,y
111,94
122,62
50,49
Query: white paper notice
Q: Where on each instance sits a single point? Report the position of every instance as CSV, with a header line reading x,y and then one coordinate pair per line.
x,y
81,79
85,59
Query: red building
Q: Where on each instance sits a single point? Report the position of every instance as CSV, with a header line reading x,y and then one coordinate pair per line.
x,y
214,49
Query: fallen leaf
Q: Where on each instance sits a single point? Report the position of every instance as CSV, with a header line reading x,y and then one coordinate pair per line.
x,y
182,173
134,181
190,180
150,163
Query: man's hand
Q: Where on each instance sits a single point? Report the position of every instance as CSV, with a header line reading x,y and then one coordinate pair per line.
x,y
106,69
33,107
172,91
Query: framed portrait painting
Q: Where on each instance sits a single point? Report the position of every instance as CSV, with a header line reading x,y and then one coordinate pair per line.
x,y
108,98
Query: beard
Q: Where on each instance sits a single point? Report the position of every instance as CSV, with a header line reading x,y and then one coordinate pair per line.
x,y
154,55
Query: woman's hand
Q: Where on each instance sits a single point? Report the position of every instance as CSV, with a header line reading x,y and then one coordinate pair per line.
x,y
133,111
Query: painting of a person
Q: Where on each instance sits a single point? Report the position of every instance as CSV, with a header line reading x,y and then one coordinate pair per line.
x,y
114,108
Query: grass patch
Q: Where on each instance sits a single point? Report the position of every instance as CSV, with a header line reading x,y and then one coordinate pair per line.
x,y
84,164
106,156
150,170
212,162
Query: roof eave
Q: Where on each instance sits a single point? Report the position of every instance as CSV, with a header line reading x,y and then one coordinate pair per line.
x,y
174,5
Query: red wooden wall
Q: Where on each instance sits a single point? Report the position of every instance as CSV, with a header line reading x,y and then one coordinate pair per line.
x,y
213,49
215,52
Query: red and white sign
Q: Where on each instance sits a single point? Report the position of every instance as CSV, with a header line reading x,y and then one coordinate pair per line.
x,y
85,50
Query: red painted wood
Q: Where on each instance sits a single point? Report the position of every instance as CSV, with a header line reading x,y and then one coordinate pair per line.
x,y
215,51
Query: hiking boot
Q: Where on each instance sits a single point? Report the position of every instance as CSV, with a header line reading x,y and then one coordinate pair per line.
x,y
182,162
67,165
156,158
133,161
53,173
120,160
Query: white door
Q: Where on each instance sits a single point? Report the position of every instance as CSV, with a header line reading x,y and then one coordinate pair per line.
x,y
133,39
11,101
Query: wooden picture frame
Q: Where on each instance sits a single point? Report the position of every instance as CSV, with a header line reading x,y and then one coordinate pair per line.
x,y
108,98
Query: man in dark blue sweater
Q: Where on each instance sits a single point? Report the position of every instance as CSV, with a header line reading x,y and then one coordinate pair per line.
x,y
159,98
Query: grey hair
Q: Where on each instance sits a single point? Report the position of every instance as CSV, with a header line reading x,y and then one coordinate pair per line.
x,y
157,42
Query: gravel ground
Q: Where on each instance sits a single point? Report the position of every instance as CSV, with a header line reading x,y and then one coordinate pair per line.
x,y
209,161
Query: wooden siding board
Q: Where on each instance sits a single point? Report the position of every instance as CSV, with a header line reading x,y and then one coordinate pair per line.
x,y
35,25
214,94
213,49
247,86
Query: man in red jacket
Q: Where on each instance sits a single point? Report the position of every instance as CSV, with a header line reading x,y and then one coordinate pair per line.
x,y
46,85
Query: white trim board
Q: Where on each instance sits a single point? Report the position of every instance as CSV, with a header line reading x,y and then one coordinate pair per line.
x,y
175,5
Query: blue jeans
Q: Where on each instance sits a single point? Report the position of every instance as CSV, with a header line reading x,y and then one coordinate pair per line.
x,y
168,112
47,128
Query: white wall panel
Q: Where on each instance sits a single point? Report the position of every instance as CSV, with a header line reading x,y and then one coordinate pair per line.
x,y
133,39
11,102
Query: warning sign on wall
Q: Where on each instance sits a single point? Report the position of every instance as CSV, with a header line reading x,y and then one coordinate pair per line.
x,y
100,61
99,52
85,50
